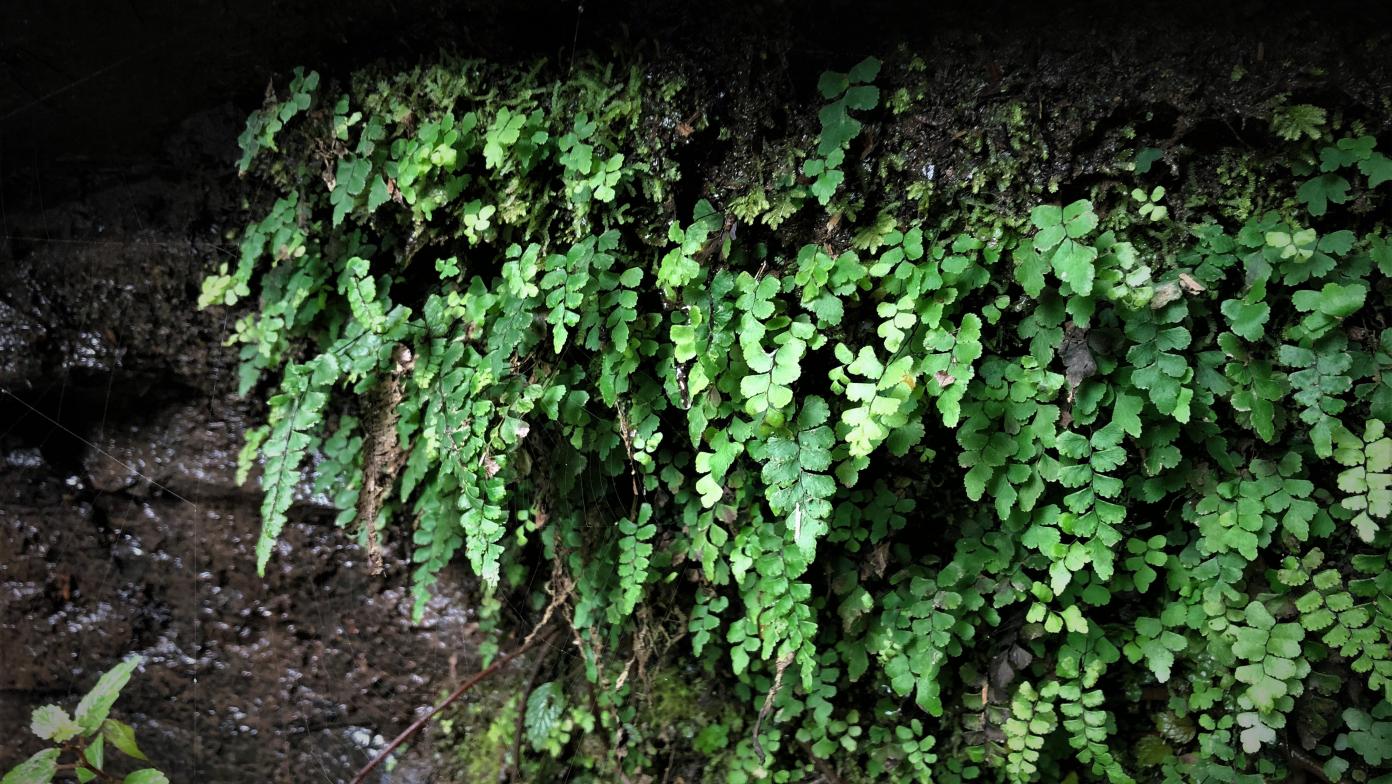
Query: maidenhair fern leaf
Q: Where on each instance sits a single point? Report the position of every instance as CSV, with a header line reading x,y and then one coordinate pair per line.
x,y
880,396
295,413
484,519
795,466
1368,477
566,279
361,291
847,91
438,536
772,373
949,365
635,550
545,705
680,265
263,125
1120,439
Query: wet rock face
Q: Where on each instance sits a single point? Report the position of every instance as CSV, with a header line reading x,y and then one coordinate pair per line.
x,y
98,289
122,528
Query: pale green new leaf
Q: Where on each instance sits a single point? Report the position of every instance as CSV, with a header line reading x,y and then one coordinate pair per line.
x,y
96,704
544,707
122,736
51,722
38,769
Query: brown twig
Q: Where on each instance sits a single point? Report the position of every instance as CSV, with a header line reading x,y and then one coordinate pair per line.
x,y
78,747
626,435
782,667
522,715
456,694
532,639
1305,763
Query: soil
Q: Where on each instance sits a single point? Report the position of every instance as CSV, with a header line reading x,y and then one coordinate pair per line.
x,y
121,526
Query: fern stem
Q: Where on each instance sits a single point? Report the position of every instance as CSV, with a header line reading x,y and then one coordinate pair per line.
x,y
416,726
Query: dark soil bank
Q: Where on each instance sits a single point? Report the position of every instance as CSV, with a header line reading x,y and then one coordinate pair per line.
x,y
121,527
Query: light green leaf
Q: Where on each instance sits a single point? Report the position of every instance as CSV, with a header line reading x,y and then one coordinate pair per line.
x,y
865,71
122,736
94,707
1318,192
1258,617
38,769
1378,168
1256,734
1047,215
1126,413
1073,263
1247,319
51,722
95,754
1079,219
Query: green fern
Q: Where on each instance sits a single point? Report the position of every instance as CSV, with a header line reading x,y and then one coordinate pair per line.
x,y
795,475
635,553
950,455
295,412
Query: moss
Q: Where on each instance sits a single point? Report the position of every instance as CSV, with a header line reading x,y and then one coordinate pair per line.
x,y
1236,186
686,723
674,705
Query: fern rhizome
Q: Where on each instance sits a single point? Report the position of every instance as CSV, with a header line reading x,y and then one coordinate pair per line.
x,y
932,486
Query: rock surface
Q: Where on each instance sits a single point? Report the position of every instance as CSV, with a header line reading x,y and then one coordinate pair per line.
x,y
122,528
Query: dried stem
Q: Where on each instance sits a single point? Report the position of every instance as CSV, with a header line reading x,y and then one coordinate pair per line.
x,y
532,639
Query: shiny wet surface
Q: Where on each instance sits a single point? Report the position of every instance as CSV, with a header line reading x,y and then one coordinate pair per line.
x,y
122,528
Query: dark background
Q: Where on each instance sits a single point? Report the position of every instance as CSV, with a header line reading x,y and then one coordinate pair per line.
x,y
89,90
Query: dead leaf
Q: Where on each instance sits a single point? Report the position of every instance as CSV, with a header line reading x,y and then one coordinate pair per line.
x,y
875,562
1019,657
1165,293
1002,674
1078,363
1190,284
